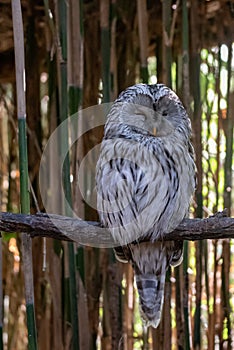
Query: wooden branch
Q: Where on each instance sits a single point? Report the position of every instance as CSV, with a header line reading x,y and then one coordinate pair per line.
x,y
59,227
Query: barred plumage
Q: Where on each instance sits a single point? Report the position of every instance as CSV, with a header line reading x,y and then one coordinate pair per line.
x,y
145,179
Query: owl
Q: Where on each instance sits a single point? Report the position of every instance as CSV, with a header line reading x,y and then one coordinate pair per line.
x,y
145,178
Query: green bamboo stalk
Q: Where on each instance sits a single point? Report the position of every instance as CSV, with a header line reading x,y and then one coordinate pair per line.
x,y
62,11
48,15
23,162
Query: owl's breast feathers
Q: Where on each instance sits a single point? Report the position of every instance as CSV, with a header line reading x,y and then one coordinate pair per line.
x,y
144,184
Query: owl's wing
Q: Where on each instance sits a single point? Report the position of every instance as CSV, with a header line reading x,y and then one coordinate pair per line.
x,y
119,185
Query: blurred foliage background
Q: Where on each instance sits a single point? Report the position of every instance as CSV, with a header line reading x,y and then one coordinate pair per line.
x,y
79,54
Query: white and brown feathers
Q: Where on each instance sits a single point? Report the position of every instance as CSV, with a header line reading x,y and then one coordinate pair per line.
x,y
145,179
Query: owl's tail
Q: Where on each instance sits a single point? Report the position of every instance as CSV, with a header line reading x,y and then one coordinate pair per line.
x,y
150,262
151,294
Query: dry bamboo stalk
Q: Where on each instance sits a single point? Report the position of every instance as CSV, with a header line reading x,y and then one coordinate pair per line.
x,y
23,160
143,36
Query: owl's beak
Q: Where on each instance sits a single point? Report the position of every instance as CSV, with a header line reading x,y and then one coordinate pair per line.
x,y
154,131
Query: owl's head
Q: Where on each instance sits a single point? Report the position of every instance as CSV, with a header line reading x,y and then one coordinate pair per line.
x,y
152,109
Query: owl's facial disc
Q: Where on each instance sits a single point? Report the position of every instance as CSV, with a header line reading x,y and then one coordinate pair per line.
x,y
136,115
152,118
161,125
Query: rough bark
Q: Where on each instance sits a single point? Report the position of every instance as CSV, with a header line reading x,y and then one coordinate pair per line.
x,y
59,227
